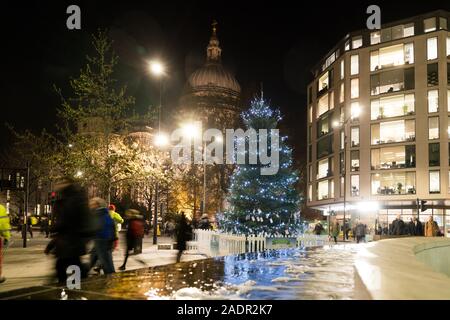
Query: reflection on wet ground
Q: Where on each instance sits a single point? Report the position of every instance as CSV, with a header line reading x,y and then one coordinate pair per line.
x,y
320,273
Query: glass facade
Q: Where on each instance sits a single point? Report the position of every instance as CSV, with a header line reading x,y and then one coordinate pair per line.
x,y
393,183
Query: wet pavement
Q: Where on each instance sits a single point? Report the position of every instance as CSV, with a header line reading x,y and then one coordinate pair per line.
x,y
320,273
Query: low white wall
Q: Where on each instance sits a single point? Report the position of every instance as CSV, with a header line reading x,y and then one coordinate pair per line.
x,y
389,269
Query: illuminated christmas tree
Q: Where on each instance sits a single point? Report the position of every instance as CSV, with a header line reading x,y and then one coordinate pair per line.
x,y
263,204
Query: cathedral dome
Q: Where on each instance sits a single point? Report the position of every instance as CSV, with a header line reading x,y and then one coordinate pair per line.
x,y
213,75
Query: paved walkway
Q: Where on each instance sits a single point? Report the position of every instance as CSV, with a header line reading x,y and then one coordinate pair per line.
x,y
27,267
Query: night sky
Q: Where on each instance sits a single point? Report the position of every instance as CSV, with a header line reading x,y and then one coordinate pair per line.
x,y
275,43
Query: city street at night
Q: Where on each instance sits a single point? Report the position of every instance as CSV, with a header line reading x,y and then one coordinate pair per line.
x,y
225,159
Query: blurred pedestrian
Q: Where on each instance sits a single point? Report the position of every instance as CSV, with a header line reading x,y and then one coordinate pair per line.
x,y
318,229
183,234
398,226
335,230
71,228
30,226
360,231
118,220
135,233
431,228
5,235
45,226
105,235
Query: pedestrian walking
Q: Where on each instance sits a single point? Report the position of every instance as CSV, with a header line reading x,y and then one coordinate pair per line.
x,y
30,226
183,234
104,238
71,228
431,228
360,231
5,235
318,229
118,220
398,226
335,230
134,235
45,226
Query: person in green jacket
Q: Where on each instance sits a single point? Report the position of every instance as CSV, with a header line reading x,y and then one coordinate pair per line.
x,y
5,235
117,218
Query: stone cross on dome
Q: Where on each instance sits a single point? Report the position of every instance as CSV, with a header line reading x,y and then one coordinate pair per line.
x,y
213,51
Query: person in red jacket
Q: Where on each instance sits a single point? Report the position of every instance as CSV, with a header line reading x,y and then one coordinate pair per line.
x,y
135,233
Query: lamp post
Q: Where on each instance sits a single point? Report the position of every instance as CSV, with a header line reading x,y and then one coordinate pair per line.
x,y
157,69
343,124
192,130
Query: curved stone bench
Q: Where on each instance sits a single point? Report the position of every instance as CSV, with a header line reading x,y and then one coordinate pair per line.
x,y
405,268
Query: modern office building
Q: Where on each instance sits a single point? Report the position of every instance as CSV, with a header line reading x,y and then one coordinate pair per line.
x,y
382,98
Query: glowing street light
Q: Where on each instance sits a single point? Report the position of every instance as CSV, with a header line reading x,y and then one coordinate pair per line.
x,y
161,140
156,68
191,130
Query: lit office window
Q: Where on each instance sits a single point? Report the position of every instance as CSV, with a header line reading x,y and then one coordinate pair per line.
x,y
310,114
448,129
322,105
342,140
392,131
435,182
392,106
434,155
354,181
354,64
448,46
391,56
429,24
354,160
408,30
391,183
355,111
322,190
355,136
310,192
341,93
396,157
448,187
342,186
324,167
347,45
324,82
433,128
342,69
448,100
432,48
375,37
433,101
310,173
354,88
357,42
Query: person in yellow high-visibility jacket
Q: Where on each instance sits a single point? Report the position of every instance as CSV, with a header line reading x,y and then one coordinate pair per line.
x,y
118,220
5,235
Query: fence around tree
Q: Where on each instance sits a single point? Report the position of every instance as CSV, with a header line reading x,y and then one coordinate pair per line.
x,y
214,243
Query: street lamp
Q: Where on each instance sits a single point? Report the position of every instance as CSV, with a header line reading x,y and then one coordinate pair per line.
x,y
157,69
194,131
354,113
